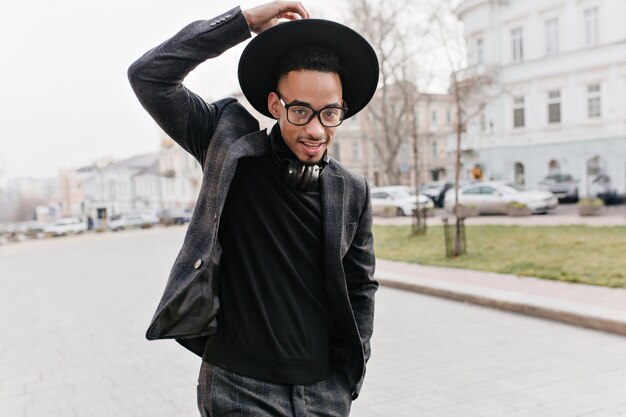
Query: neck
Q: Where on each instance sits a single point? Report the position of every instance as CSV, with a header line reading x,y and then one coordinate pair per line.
x,y
282,151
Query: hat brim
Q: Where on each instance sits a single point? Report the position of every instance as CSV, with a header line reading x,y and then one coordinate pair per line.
x,y
357,57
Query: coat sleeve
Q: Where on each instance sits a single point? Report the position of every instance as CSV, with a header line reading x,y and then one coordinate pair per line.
x,y
359,265
157,79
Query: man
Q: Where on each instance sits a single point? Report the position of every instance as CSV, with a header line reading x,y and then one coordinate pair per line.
x,y
274,285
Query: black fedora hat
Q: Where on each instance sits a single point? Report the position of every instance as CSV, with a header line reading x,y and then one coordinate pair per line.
x,y
257,64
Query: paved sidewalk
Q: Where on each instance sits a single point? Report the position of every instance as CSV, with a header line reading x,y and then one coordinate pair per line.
x,y
563,215
74,310
598,308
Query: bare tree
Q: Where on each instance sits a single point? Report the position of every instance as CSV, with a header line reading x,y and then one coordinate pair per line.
x,y
25,207
2,166
399,32
391,118
4,203
470,88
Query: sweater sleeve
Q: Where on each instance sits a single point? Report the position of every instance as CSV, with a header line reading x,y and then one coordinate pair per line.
x,y
157,79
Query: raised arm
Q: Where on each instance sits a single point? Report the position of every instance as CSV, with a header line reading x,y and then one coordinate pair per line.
x,y
157,77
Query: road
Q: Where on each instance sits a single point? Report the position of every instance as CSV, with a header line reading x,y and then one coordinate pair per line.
x,y
73,312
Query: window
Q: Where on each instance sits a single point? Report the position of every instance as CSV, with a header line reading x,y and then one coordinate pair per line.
x,y
519,174
594,102
472,191
591,26
554,167
518,112
517,45
552,36
434,116
479,51
375,151
554,106
112,189
449,117
334,151
356,151
435,150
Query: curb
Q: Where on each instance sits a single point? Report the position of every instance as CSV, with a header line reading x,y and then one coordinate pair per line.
x,y
576,314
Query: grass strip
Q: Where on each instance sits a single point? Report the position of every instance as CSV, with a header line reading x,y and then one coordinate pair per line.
x,y
588,255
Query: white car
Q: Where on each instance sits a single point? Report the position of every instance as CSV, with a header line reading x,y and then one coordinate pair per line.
x,y
132,221
495,197
398,200
66,226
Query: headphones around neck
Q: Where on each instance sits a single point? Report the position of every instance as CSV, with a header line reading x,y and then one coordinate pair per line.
x,y
296,174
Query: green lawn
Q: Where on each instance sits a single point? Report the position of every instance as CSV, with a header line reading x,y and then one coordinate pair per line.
x,y
590,255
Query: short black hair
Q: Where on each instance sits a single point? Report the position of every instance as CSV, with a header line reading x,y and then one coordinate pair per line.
x,y
312,58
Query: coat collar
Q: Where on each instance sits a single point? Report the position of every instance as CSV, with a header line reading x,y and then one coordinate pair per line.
x,y
252,144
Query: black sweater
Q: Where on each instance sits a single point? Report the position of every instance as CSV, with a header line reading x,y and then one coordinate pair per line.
x,y
273,322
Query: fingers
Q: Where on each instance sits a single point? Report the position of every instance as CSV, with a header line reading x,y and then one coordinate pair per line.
x,y
289,16
303,12
291,8
267,15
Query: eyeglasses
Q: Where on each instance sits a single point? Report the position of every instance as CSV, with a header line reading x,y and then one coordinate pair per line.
x,y
300,114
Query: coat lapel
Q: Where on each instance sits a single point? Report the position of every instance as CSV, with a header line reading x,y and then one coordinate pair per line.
x,y
332,189
253,144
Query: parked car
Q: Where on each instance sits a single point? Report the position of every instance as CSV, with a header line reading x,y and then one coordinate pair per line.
x,y
564,186
132,221
436,191
495,197
398,200
65,226
21,231
168,217
602,188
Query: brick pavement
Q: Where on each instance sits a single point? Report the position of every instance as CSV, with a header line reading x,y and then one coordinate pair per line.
x,y
74,311
439,358
583,305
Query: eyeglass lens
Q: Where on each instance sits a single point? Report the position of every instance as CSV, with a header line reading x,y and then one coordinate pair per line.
x,y
301,115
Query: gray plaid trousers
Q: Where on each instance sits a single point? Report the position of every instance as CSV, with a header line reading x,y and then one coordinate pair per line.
x,y
222,393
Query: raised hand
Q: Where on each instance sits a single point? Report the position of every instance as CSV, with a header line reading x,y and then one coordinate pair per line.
x,y
267,15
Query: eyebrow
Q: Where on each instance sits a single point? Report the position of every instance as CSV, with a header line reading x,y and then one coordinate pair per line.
x,y
304,103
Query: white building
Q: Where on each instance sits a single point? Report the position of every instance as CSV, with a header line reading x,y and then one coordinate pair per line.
x,y
72,190
558,101
181,176
121,187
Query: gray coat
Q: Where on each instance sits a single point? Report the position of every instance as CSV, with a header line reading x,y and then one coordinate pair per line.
x,y
218,135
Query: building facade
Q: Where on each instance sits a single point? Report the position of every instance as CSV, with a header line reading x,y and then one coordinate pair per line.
x,y
355,146
557,102
111,187
72,191
180,176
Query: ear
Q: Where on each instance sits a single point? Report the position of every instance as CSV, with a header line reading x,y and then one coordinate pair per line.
x,y
273,104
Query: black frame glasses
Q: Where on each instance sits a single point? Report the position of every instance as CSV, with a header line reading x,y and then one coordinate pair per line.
x,y
318,113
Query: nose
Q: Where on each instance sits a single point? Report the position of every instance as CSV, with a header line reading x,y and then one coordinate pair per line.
x,y
314,128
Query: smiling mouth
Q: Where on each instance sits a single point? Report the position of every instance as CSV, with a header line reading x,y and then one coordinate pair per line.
x,y
315,145
312,146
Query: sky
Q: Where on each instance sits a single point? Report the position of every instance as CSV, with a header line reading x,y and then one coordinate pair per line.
x,y
65,100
